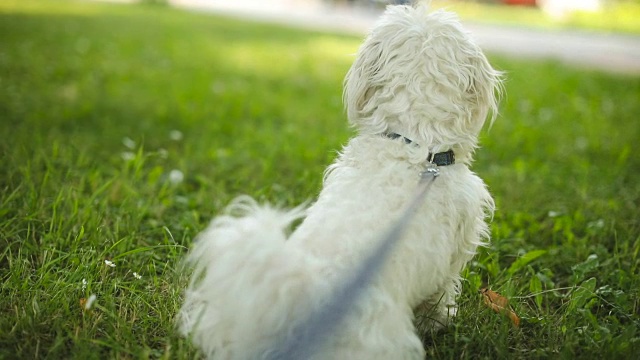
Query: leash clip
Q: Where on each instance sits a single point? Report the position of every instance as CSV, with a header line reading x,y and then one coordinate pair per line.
x,y
431,171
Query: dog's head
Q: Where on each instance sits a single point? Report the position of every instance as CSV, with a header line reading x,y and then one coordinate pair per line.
x,y
421,75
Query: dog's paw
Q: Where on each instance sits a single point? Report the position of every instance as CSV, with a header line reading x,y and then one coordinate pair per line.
x,y
431,316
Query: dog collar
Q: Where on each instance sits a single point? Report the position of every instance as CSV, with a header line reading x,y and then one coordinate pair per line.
x,y
441,159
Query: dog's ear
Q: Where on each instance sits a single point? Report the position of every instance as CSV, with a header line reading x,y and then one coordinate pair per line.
x,y
486,86
362,100
359,84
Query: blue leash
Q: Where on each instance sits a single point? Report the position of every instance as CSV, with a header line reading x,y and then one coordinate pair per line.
x,y
312,333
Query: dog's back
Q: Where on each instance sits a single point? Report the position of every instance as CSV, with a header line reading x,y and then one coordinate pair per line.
x,y
419,86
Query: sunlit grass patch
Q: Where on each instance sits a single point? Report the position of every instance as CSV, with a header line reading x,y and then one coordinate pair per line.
x,y
613,16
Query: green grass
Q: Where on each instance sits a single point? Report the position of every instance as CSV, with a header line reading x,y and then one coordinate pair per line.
x,y
91,93
614,16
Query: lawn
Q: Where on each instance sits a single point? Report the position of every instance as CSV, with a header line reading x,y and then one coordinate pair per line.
x,y
614,16
126,128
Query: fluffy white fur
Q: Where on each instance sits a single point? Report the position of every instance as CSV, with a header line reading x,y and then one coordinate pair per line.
x,y
419,75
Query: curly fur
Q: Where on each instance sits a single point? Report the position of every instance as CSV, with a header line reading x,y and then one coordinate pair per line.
x,y
416,74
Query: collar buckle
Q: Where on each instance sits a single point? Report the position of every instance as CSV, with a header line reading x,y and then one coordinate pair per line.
x,y
442,158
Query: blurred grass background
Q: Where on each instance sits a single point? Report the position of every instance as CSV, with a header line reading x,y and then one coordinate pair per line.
x,y
126,128
613,15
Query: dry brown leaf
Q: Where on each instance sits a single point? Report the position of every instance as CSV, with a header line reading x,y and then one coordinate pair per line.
x,y
499,304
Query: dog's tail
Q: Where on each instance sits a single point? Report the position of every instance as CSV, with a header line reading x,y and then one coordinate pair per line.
x,y
248,283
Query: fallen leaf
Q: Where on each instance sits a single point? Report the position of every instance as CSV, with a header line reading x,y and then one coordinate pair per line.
x,y
499,304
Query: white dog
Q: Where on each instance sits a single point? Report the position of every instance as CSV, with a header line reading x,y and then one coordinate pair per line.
x,y
418,92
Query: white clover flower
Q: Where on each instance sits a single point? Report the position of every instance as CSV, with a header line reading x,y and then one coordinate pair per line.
x,y
137,276
127,155
128,142
109,263
175,135
176,176
163,153
553,214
